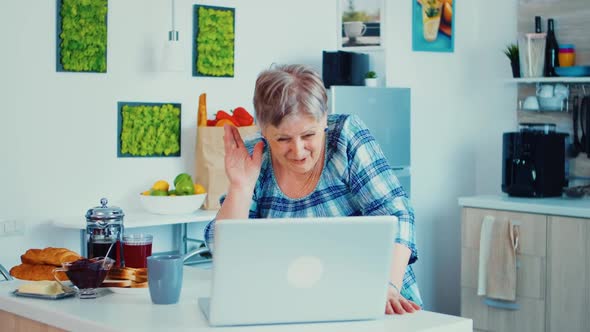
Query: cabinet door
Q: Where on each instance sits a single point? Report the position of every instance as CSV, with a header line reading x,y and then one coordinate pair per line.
x,y
533,229
531,281
530,258
569,276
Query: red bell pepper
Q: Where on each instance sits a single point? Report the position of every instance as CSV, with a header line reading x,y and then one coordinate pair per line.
x,y
220,115
242,117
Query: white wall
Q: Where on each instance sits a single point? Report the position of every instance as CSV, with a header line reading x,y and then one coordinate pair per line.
x,y
58,130
461,104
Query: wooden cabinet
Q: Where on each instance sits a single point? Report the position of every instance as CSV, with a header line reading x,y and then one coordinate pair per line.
x,y
531,282
568,296
553,275
12,323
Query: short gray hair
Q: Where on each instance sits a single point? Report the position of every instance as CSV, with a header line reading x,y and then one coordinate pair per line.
x,y
284,90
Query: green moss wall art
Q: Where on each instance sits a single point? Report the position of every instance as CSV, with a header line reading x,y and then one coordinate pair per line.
x,y
148,129
82,36
213,38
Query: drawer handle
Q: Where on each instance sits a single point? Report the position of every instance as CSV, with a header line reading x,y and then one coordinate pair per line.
x,y
499,304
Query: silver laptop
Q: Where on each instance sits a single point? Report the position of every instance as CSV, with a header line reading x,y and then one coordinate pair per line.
x,y
268,271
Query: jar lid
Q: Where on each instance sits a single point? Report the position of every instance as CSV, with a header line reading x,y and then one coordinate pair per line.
x,y
566,46
104,213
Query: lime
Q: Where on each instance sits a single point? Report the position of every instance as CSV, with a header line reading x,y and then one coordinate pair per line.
x,y
185,187
159,193
182,176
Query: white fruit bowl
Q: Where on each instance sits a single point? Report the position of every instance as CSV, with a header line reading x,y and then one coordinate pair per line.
x,y
172,204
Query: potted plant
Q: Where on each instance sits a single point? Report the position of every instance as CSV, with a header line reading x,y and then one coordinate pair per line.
x,y
511,52
371,78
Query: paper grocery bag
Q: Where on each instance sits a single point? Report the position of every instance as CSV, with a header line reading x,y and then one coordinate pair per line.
x,y
209,162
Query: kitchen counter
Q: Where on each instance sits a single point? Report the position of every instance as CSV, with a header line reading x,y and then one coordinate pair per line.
x,y
558,206
124,312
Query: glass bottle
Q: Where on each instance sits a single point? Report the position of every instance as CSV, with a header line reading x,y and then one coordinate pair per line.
x,y
551,50
538,24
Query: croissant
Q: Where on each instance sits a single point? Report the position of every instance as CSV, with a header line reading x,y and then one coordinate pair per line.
x,y
36,272
49,256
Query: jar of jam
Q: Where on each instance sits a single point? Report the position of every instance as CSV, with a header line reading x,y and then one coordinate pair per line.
x,y
566,55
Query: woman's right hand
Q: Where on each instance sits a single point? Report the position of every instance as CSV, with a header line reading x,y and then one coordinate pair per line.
x,y
242,169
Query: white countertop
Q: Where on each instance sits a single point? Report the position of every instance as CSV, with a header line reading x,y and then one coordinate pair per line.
x,y
558,206
140,219
122,312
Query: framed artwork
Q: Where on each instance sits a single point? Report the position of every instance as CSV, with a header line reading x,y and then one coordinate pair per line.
x,y
81,36
148,129
433,24
213,41
360,24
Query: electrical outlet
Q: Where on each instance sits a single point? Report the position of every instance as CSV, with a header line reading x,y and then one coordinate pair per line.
x,y
11,227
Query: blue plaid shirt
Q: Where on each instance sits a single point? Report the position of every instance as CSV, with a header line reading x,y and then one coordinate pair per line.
x,y
356,181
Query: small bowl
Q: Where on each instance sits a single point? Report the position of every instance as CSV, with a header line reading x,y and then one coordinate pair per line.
x,y
172,204
551,103
531,103
86,274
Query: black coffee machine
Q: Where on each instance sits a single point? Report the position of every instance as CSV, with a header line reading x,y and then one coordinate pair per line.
x,y
533,161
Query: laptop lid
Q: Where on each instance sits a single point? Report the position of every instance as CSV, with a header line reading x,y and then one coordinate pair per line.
x,y
300,270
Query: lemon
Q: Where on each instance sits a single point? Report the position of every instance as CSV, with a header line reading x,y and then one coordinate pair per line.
x,y
199,189
147,193
161,185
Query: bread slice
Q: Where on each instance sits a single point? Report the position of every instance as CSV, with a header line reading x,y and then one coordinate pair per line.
x,y
139,284
120,273
116,283
128,273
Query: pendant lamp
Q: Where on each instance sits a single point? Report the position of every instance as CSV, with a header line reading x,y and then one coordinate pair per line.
x,y
172,59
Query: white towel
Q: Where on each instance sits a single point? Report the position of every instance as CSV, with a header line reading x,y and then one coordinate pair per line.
x,y
501,279
485,238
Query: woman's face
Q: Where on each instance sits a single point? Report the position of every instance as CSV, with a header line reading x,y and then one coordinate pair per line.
x,y
297,143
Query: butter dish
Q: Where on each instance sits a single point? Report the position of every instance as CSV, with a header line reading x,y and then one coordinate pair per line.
x,y
44,289
44,296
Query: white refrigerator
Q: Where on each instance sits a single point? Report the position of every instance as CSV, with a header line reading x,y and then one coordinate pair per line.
x,y
386,112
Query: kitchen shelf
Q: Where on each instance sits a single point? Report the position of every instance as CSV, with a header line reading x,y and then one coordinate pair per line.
x,y
135,219
532,80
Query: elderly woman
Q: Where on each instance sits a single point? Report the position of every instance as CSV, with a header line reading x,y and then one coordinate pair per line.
x,y
308,163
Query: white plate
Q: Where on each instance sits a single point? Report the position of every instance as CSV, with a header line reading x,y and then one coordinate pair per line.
x,y
129,290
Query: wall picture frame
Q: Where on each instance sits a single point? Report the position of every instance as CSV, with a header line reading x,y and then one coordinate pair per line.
x,y
213,41
81,36
433,25
147,129
361,24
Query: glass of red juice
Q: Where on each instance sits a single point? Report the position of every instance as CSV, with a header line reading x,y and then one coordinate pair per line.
x,y
136,249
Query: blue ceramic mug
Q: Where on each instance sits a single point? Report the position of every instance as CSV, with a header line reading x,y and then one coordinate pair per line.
x,y
165,278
